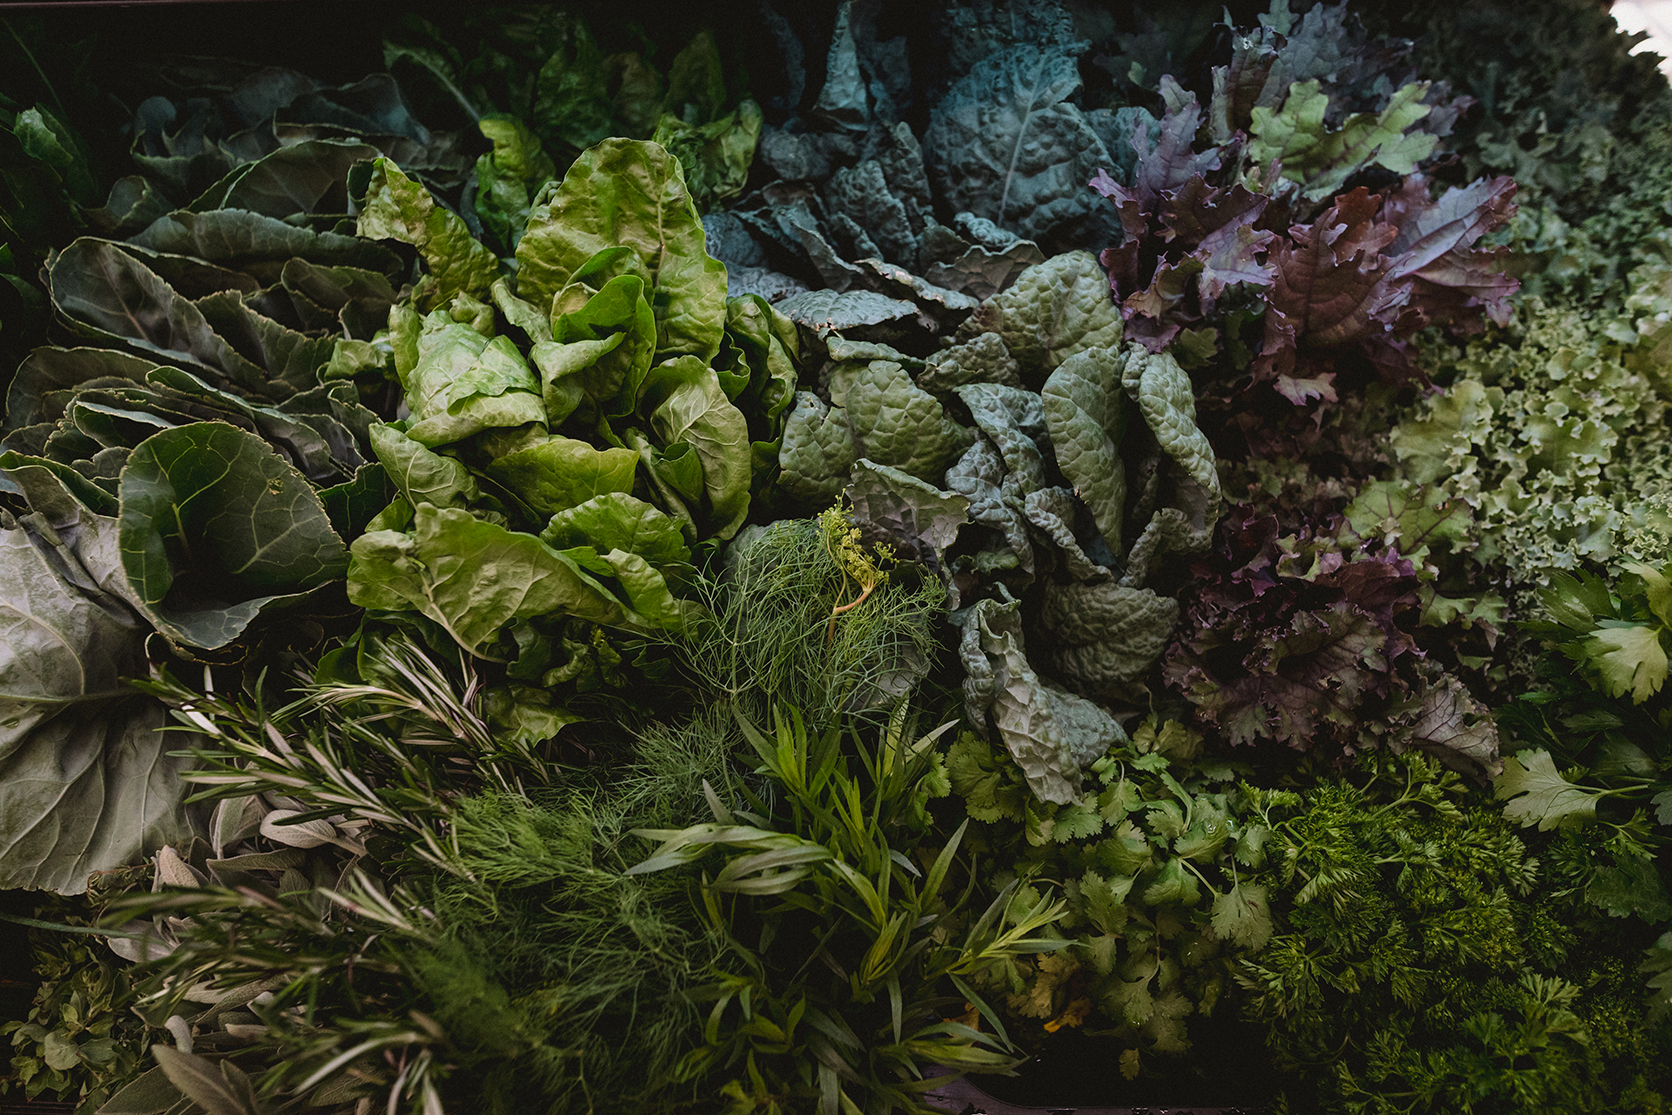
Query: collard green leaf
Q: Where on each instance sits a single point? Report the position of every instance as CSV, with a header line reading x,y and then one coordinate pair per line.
x,y
114,295
86,781
215,527
259,245
1085,413
471,576
1536,793
290,359
298,180
631,193
397,208
47,376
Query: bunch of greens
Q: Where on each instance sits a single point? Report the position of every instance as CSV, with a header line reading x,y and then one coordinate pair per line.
x,y
805,615
939,215
224,115
465,910
1303,628
1602,715
180,477
80,1040
460,875
544,68
1553,430
1426,961
1156,911
1030,516
1280,228
843,859
1566,106
567,444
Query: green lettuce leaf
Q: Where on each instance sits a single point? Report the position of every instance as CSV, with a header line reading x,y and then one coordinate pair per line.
x,y
696,412
1320,158
422,476
630,193
555,473
618,521
464,383
618,310
397,208
508,176
472,577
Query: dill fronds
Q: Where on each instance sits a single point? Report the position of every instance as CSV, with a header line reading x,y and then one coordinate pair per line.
x,y
770,635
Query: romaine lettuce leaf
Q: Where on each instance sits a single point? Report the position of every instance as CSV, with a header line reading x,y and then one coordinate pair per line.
x,y
630,193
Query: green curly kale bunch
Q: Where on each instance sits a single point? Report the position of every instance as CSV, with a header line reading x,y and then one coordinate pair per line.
x,y
1554,430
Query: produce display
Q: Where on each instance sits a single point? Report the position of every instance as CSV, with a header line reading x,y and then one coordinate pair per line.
x,y
770,560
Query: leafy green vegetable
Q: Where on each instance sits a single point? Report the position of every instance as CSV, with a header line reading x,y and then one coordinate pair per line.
x,y
215,529
1461,981
1152,839
397,208
615,369
89,784
472,576
1546,429
1537,793
630,194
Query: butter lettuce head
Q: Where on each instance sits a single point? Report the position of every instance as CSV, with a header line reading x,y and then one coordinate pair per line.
x,y
630,193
